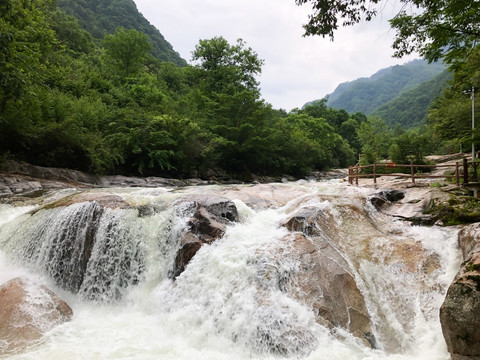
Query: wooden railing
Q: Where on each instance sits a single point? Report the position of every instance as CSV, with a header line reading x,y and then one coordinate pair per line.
x,y
459,172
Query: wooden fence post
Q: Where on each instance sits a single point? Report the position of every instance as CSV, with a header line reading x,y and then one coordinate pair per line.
x,y
356,177
412,173
457,174
465,171
375,173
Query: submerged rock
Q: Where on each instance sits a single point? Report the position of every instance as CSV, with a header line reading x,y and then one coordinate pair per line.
x,y
27,311
460,312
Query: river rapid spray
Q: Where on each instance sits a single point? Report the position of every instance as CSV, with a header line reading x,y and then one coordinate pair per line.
x,y
234,298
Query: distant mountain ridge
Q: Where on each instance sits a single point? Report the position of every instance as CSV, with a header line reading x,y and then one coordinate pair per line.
x,y
399,94
102,17
367,94
410,108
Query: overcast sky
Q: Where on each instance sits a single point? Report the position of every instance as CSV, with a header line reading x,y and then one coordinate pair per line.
x,y
297,69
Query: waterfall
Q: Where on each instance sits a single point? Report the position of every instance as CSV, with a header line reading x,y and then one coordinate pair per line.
x,y
352,283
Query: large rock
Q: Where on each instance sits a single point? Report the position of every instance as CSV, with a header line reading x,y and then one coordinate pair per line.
x,y
469,240
207,217
325,281
27,311
336,244
326,284
50,173
460,312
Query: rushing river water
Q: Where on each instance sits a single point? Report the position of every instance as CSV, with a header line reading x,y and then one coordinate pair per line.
x,y
226,304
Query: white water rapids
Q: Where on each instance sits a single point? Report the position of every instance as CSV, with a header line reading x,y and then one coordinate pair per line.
x,y
228,303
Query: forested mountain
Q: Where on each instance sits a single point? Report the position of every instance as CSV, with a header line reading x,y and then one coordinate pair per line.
x,y
102,17
367,94
410,108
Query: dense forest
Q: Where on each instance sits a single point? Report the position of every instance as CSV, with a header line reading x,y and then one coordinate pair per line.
x,y
115,106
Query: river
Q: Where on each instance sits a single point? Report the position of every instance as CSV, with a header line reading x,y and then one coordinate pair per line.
x,y
229,303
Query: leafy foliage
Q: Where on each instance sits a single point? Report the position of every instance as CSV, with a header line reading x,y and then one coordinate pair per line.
x,y
127,50
327,13
447,29
451,114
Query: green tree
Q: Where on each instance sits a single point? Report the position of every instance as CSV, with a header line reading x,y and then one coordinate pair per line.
x,y
227,96
374,138
69,32
25,41
409,147
224,67
127,50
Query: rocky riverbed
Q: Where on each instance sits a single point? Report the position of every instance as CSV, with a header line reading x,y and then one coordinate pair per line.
x,y
318,253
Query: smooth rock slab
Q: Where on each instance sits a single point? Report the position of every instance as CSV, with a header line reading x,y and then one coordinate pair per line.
x,y
27,311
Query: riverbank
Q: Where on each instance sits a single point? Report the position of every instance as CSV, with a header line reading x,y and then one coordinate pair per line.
x,y
19,178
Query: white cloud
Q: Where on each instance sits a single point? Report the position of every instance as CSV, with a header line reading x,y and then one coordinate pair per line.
x,y
296,69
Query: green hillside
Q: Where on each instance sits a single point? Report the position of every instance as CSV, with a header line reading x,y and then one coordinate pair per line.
x,y
101,17
367,94
410,108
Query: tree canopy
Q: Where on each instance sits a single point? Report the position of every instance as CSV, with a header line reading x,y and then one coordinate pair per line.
x,y
448,29
110,107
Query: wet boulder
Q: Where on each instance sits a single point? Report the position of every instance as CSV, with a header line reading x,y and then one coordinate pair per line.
x,y
460,311
386,196
324,281
222,208
206,220
305,220
27,311
469,240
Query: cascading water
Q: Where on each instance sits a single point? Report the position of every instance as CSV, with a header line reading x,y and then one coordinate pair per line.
x,y
245,295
